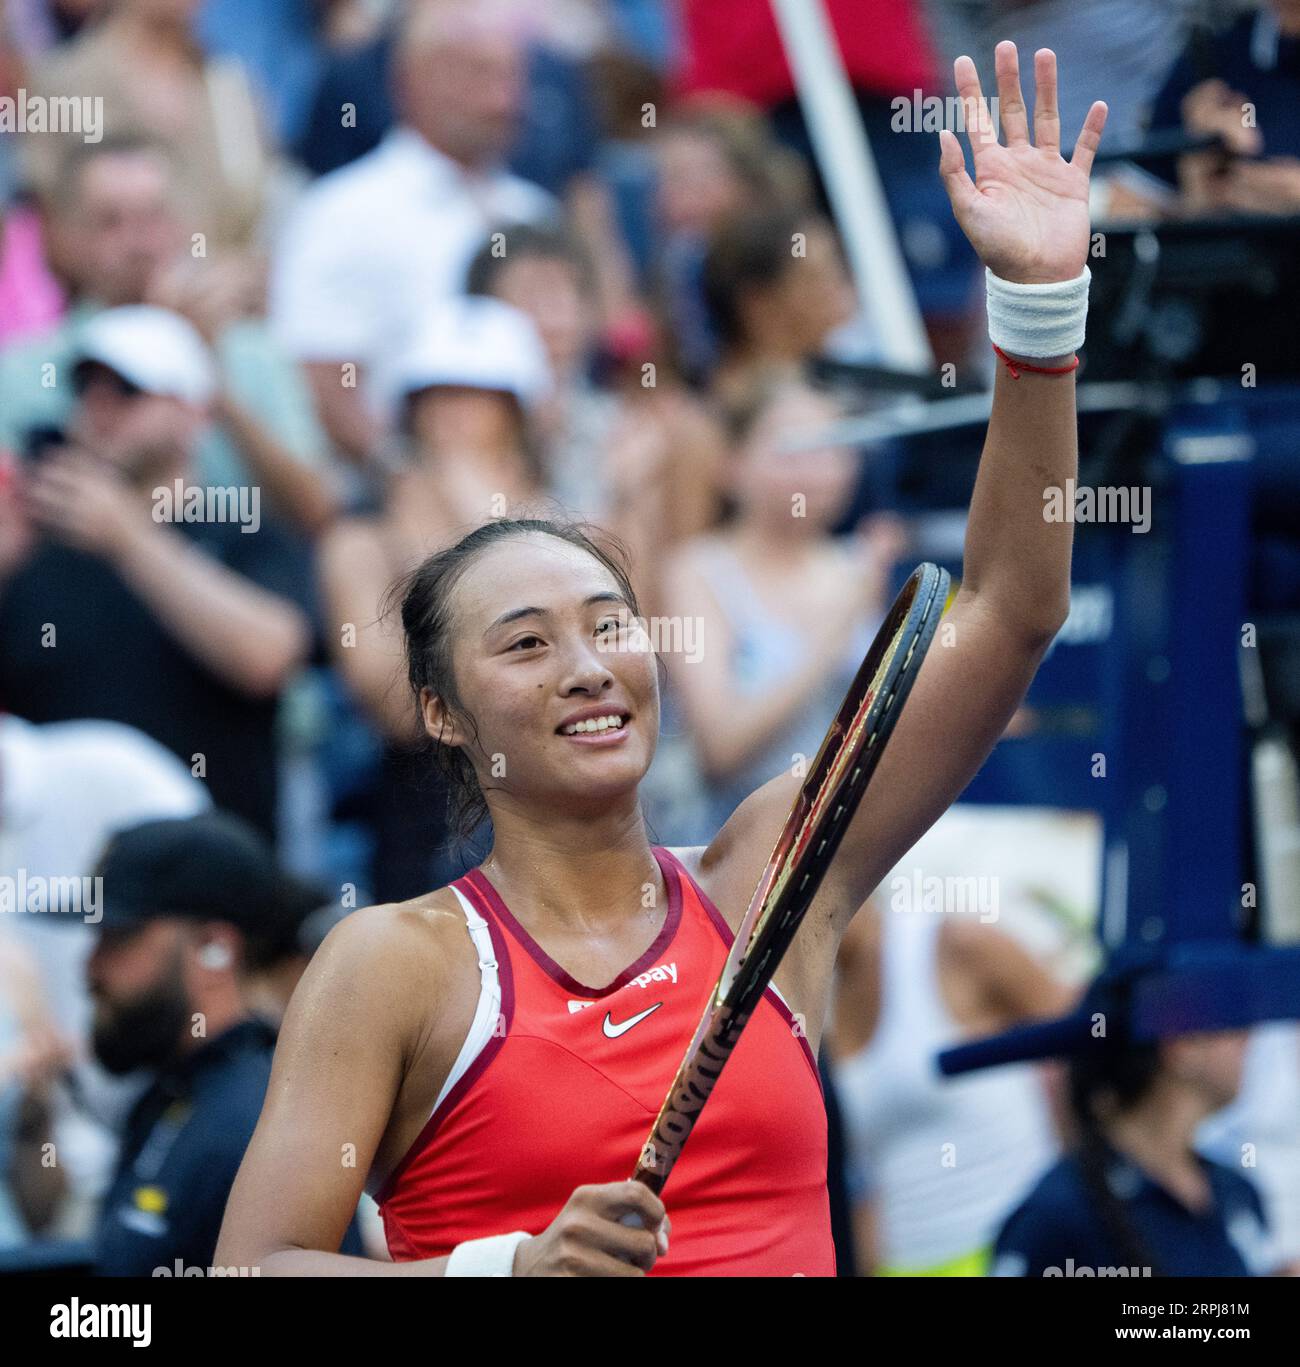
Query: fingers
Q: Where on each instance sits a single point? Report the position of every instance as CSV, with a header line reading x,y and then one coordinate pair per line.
x,y
1011,102
1089,137
979,122
952,171
1047,115
618,1199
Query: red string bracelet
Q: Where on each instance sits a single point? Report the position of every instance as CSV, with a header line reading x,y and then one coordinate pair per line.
x,y
1015,367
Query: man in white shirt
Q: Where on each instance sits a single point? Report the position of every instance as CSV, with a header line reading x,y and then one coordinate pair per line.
x,y
65,787
372,248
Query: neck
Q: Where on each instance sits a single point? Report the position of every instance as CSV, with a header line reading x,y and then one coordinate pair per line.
x,y
225,1009
1157,1133
576,872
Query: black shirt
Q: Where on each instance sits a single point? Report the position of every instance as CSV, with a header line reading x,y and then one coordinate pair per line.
x,y
1257,62
1057,1231
76,643
184,1142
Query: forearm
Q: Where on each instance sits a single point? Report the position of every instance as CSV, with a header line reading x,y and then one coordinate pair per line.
x,y
1015,558
243,634
301,492
310,1262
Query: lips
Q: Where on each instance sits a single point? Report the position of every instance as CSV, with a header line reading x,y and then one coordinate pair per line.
x,y
594,721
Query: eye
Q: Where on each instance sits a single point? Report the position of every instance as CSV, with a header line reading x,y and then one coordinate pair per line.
x,y
524,640
610,622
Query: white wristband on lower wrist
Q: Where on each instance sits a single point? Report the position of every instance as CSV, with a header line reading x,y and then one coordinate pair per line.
x,y
1037,320
491,1257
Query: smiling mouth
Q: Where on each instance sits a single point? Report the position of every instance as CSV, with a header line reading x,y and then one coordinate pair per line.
x,y
612,724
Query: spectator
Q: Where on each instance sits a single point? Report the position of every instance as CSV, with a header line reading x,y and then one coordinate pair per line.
x,y
375,247
1133,1194
32,1054
188,631
468,386
717,163
1244,86
64,789
777,289
169,976
643,461
142,61
786,609
912,981
117,237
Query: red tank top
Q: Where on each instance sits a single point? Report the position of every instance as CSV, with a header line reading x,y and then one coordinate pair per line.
x,y
565,1092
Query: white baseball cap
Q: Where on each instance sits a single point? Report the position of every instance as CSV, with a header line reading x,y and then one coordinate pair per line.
x,y
480,343
156,350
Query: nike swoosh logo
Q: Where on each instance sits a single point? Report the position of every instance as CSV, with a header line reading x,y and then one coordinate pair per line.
x,y
613,1031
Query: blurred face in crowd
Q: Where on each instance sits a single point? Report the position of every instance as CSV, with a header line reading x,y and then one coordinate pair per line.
x,y
144,435
1209,1063
138,983
460,82
522,679
457,419
772,485
697,186
807,301
119,226
550,291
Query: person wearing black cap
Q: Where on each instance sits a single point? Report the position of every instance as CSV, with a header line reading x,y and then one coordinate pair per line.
x,y
186,903
1156,1046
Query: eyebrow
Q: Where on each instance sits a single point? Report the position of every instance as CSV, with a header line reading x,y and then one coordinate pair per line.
x,y
607,596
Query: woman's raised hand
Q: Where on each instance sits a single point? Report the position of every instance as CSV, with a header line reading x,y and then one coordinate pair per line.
x,y
1026,211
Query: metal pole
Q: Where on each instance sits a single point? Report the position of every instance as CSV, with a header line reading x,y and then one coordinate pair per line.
x,y
852,182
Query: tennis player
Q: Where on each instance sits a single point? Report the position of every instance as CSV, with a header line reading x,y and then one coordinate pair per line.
x,y
487,1059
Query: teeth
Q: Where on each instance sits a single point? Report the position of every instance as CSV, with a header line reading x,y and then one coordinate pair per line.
x,y
613,721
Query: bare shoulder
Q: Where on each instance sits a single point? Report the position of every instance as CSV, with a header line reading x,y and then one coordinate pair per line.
x,y
398,959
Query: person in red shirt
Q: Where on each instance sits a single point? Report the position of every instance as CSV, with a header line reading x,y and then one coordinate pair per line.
x,y
489,1057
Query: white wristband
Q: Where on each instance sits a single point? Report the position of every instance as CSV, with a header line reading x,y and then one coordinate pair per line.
x,y
1037,320
491,1257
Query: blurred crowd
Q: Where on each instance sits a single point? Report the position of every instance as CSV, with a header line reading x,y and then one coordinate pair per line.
x,y
313,287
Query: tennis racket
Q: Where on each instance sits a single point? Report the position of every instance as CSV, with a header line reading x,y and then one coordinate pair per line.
x,y
839,776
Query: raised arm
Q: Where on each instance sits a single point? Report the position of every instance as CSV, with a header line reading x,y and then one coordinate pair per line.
x,y
1026,214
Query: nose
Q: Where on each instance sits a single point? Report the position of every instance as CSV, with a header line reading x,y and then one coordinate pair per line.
x,y
587,670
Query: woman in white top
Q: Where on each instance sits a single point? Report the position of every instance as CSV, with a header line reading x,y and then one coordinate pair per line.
x,y
935,1163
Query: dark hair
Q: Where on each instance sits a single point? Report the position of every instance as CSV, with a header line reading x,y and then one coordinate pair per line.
x,y
426,595
1123,1070
747,253
525,241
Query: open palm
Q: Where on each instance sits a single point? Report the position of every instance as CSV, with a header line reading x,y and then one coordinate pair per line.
x,y
1026,211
